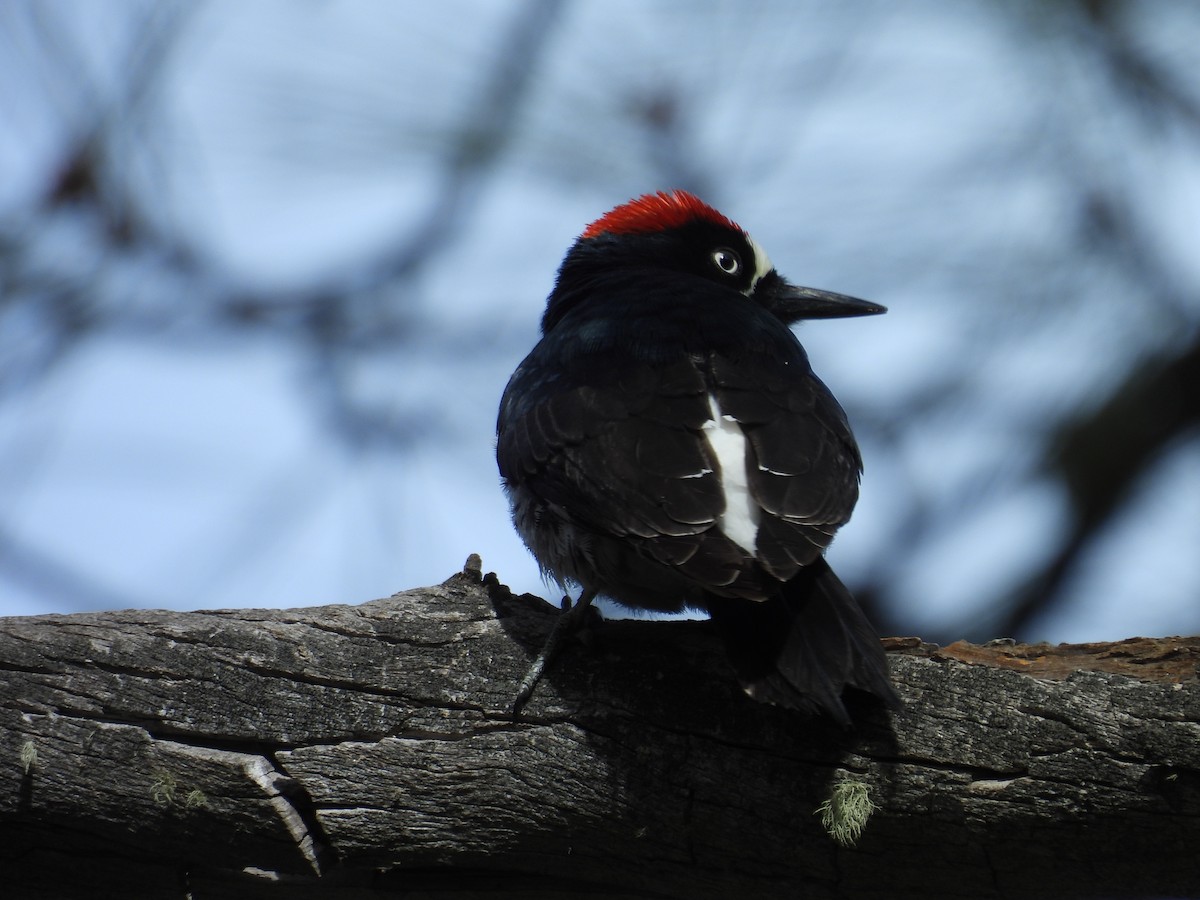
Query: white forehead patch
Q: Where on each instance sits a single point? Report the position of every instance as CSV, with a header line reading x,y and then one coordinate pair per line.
x,y
762,262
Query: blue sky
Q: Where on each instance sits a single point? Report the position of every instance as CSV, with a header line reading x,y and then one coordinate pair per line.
x,y
929,158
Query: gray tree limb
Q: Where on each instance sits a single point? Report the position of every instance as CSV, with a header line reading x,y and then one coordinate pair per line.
x,y
362,751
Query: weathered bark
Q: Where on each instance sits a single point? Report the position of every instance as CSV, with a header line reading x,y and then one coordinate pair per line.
x,y
357,751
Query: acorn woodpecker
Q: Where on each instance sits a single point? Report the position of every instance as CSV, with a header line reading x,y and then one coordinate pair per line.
x,y
667,445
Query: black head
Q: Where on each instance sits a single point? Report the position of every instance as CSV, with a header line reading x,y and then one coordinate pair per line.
x,y
678,232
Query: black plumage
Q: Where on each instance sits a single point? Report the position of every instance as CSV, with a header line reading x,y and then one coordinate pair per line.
x,y
666,343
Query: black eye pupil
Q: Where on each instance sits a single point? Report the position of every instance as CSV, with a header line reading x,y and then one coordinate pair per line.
x,y
727,261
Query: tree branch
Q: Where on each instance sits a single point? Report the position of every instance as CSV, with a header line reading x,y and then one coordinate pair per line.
x,y
357,751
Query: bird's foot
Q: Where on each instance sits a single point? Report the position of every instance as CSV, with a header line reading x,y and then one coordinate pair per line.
x,y
568,623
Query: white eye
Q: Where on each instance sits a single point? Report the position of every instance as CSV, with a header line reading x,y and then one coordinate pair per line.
x,y
727,261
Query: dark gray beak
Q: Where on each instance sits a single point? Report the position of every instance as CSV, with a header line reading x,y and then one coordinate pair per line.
x,y
792,303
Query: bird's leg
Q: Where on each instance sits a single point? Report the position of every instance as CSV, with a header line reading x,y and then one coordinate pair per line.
x,y
568,623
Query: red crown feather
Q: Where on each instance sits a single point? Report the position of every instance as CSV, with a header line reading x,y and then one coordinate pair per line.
x,y
656,212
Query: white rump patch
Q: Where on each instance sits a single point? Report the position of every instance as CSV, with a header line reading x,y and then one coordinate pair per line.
x,y
742,514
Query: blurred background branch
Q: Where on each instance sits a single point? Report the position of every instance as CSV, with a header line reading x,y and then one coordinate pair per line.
x,y
264,272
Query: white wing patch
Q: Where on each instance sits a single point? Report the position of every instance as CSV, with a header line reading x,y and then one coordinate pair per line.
x,y
742,514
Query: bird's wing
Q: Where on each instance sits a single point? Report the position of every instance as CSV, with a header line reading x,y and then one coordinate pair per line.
x,y
627,460
804,464
624,459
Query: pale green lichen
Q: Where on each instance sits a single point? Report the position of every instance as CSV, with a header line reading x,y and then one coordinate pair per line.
x,y
28,756
195,800
845,813
163,788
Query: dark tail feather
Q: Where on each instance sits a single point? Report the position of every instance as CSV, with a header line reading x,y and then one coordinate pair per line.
x,y
802,648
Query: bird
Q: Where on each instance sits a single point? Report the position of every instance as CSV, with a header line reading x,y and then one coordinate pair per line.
x,y
667,445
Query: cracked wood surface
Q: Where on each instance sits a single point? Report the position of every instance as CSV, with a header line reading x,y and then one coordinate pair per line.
x,y
364,751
